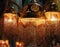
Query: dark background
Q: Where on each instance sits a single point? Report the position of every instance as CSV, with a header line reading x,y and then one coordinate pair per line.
x,y
2,6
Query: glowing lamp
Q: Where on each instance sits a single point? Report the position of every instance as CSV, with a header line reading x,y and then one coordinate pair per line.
x,y
53,18
31,25
10,18
10,23
3,42
52,15
17,44
21,44
52,21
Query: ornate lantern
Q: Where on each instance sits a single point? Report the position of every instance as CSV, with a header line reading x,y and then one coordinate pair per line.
x,y
10,23
52,22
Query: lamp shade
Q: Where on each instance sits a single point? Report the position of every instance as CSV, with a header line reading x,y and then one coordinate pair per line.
x,y
49,15
10,24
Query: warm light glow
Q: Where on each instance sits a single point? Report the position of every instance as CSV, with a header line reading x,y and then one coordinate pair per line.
x,y
20,44
3,42
53,18
17,43
48,15
10,20
6,42
35,21
40,21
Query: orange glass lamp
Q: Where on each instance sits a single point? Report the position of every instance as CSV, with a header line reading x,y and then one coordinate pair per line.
x,y
4,43
17,44
35,21
49,15
52,17
21,44
28,25
10,18
52,21
10,23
